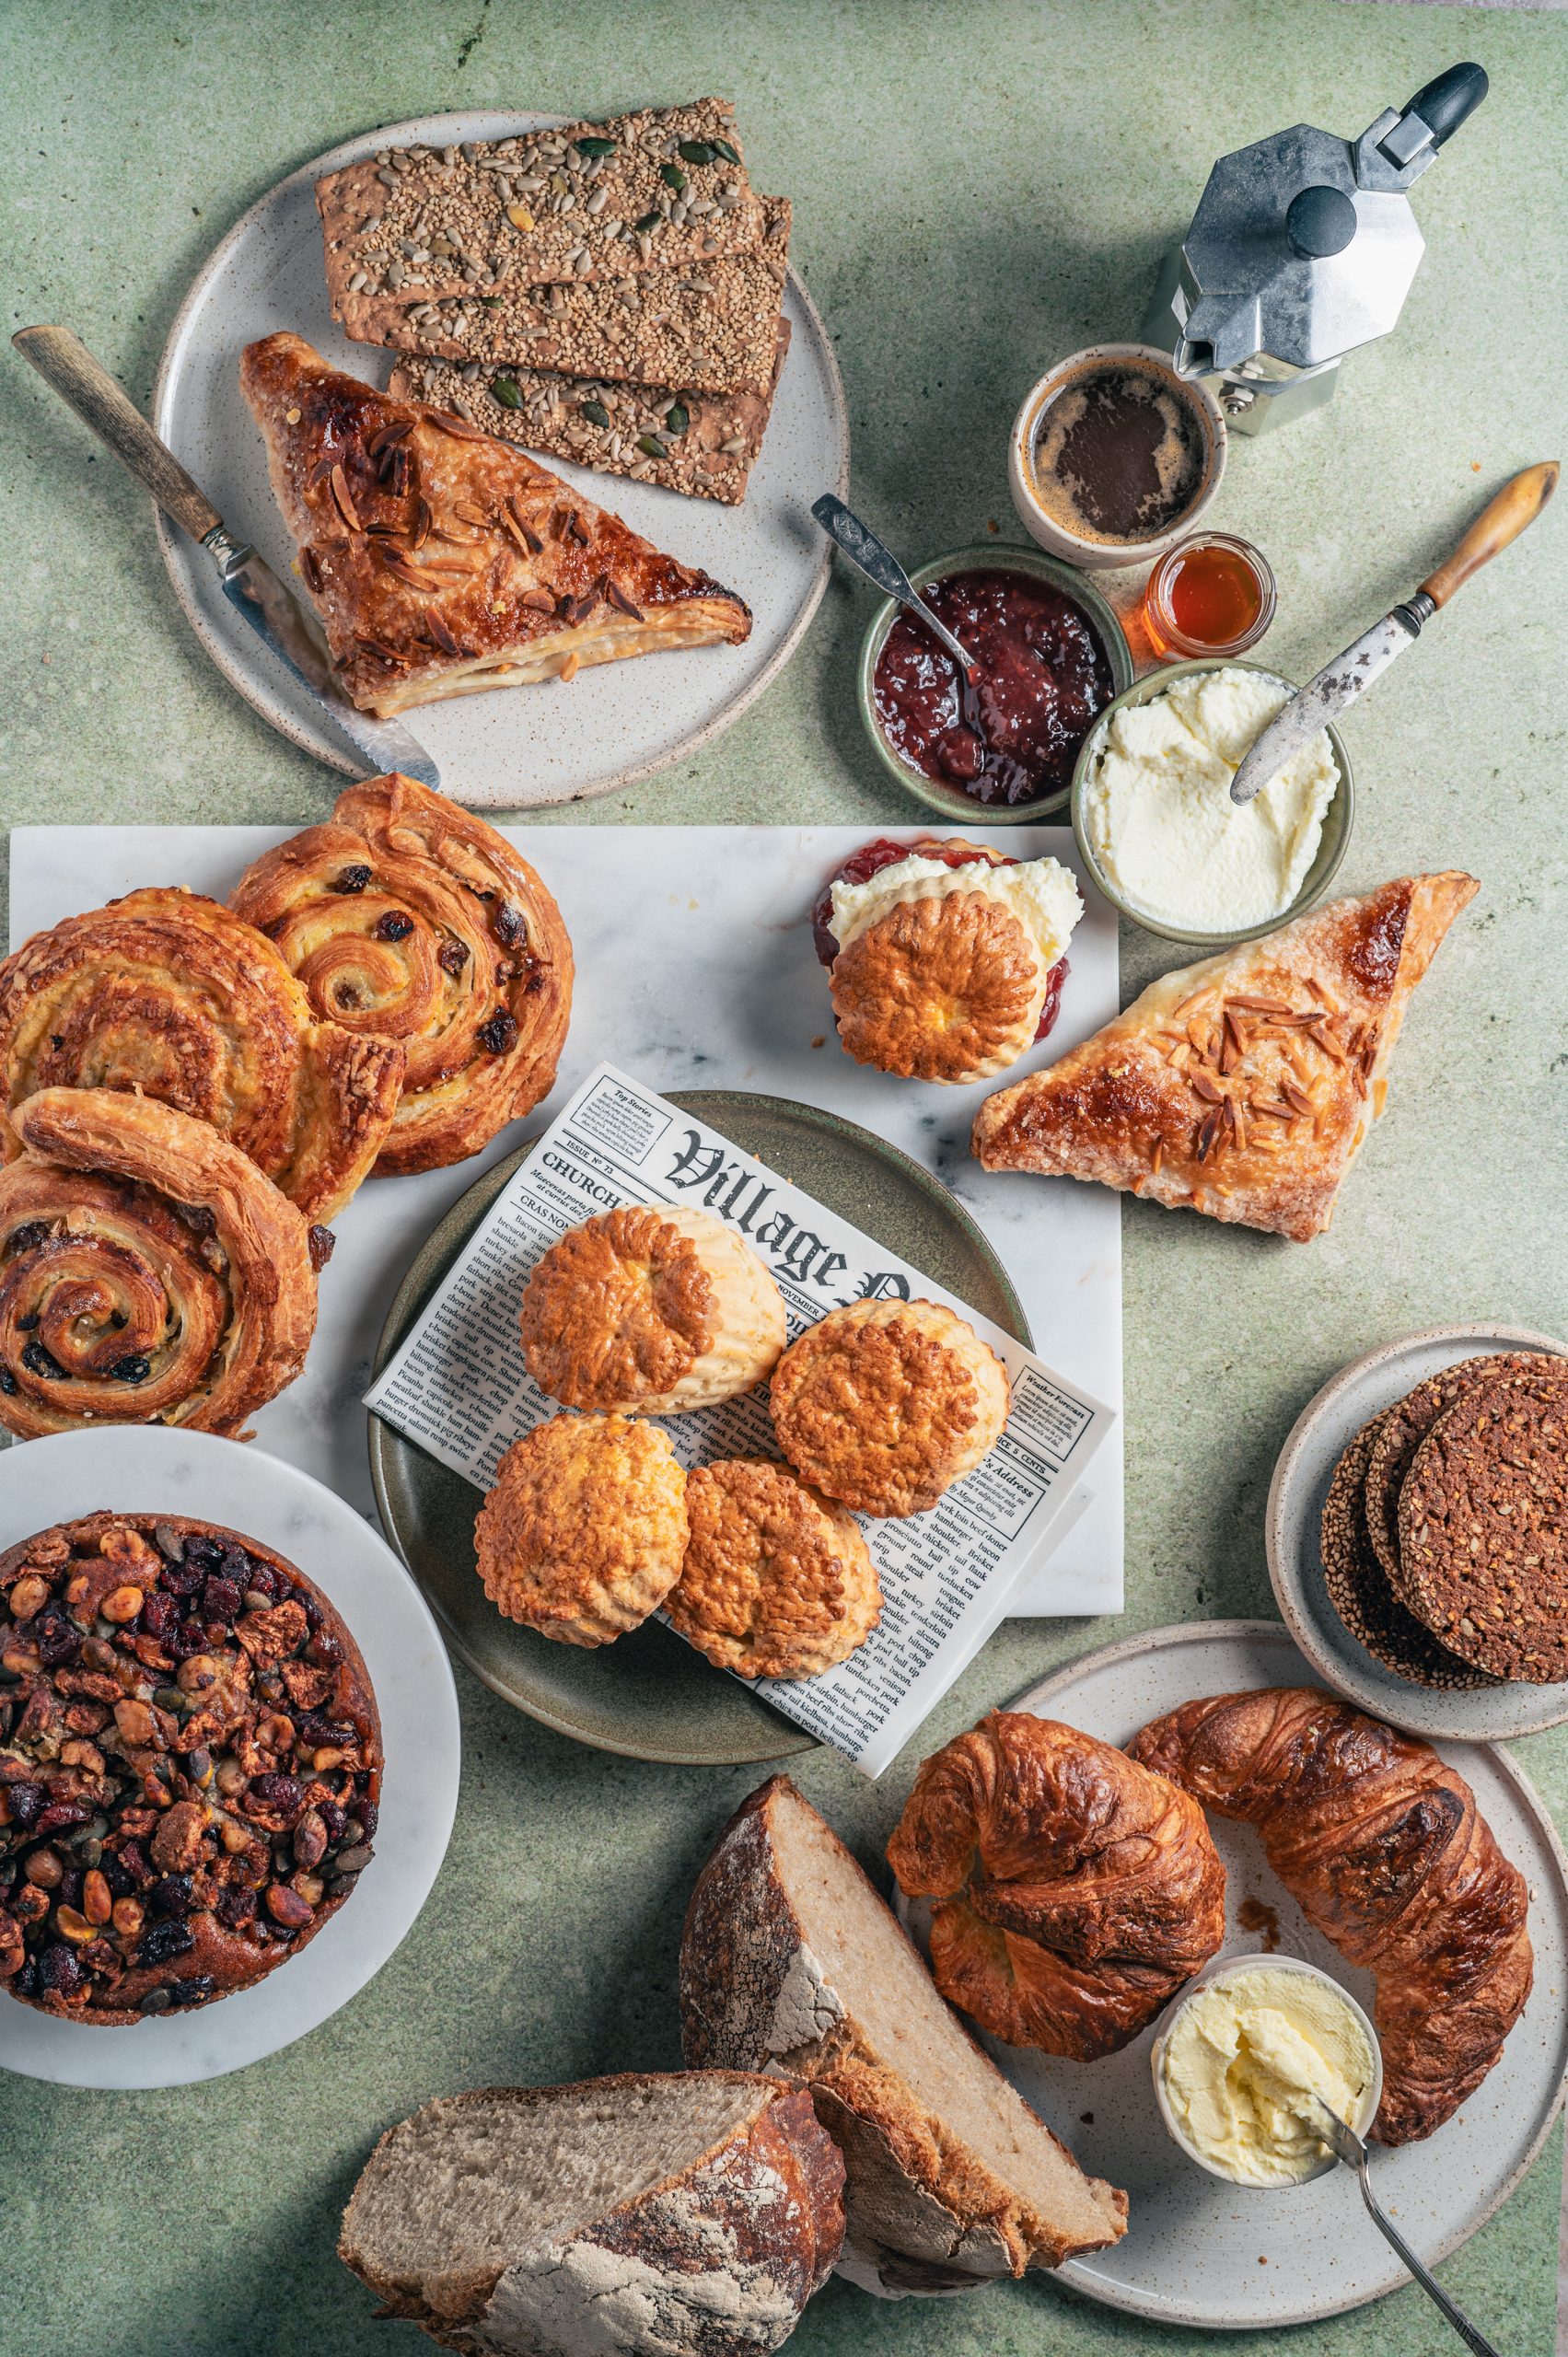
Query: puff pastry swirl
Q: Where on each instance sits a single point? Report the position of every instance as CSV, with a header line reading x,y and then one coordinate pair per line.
x,y
149,1273
168,994
404,917
443,563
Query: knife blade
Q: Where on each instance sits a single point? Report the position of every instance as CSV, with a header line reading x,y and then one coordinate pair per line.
x,y
250,586
1350,675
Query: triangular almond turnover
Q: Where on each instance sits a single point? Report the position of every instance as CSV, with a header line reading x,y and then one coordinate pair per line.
x,y
1241,1086
442,562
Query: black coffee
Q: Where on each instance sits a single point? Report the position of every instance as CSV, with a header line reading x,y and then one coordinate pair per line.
x,y
1119,455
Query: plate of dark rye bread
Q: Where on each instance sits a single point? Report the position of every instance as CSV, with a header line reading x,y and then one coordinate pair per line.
x,y
642,404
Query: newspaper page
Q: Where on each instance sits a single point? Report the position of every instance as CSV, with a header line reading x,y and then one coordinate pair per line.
x,y
459,1388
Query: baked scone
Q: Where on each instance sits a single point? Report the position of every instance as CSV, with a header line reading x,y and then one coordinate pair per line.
x,y
650,1312
407,918
585,1532
1244,1086
149,1274
191,1767
777,1581
443,563
168,994
942,968
1076,1891
884,1404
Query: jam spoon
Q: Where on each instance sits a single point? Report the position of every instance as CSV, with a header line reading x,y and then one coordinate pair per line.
x,y
1347,2146
880,565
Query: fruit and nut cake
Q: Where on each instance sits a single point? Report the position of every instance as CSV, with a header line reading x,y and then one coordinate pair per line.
x,y
189,1764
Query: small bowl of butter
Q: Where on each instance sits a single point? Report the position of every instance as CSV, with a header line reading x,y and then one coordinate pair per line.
x,y
1155,825
1240,2053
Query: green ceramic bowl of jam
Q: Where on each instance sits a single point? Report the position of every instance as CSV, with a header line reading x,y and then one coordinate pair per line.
x,y
997,750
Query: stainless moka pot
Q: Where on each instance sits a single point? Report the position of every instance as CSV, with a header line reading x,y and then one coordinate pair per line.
x,y
1302,248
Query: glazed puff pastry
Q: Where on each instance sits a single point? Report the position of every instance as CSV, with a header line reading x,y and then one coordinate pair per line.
x,y
149,1273
442,562
406,918
168,994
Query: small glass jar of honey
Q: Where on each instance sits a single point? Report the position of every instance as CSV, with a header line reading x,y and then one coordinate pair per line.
x,y
1210,594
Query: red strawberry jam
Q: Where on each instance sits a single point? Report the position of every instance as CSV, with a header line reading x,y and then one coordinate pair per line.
x,y
882,851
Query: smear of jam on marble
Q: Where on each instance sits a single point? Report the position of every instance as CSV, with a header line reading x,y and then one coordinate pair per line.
x,y
882,851
1011,731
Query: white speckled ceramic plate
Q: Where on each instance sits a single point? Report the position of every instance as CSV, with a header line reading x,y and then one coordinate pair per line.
x,y
1201,2253
517,748
148,1470
1320,1435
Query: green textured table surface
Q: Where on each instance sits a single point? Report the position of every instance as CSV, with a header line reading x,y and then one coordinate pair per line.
x,y
978,188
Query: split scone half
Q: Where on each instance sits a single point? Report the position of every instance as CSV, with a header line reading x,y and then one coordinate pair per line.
x,y
777,1581
651,1312
942,968
585,1531
443,563
886,1404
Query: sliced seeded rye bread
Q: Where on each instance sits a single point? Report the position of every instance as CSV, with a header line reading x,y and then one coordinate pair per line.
x,y
691,2213
791,1962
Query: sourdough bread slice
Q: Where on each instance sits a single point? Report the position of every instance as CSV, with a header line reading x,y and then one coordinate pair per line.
x,y
691,2215
790,1961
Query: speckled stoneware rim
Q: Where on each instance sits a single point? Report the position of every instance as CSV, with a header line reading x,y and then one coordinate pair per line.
x,y
998,557
1332,845
1101,556
1037,1699
770,1734
1290,1541
1221,1968
448,130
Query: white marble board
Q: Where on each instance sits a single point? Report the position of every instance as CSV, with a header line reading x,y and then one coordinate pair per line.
x,y
695,970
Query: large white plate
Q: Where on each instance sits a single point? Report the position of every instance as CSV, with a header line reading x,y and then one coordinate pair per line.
x,y
1201,2253
515,747
1292,1523
149,1470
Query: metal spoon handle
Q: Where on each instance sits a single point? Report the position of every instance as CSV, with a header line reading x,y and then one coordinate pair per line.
x,y
1466,2331
882,567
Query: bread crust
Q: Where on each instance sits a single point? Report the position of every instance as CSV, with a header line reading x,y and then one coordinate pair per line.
x,y
410,921
1293,1033
945,989
585,1531
777,1581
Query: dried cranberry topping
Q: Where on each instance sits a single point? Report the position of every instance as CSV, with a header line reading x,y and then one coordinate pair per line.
x,y
57,1815
190,1638
191,1991
58,1641
159,1615
220,1599
174,1895
163,1941
278,1792
58,1970
26,1803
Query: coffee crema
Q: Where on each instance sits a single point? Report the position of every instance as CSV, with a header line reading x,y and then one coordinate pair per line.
x,y
1119,455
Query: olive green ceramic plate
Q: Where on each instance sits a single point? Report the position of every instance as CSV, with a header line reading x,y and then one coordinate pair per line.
x,y
650,1696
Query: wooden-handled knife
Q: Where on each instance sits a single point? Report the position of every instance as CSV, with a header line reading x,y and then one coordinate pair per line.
x,y
1351,674
250,586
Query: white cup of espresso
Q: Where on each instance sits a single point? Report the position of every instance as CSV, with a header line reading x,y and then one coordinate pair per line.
x,y
1051,516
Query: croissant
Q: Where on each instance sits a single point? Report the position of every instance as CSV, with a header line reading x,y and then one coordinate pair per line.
x,y
1380,1844
1098,1890
149,1273
167,994
407,918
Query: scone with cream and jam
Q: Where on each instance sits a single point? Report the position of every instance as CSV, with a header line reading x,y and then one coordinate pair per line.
x,y
946,959
585,1531
650,1311
884,1404
777,1581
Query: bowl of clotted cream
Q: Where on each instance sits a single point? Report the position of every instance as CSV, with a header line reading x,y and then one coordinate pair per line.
x,y
1241,2053
1154,822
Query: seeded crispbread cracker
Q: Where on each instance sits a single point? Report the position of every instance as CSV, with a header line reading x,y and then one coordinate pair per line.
x,y
1483,1528
709,329
589,199
617,429
1407,1426
1358,1586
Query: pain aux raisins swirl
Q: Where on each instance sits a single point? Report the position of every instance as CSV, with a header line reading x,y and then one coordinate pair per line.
x,y
407,918
190,1765
149,1272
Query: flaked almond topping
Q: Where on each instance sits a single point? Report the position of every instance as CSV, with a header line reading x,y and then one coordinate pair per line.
x,y
396,565
1157,1156
1204,1088
1262,1005
1209,1129
530,537
1295,1097
1271,1107
1231,1048
344,498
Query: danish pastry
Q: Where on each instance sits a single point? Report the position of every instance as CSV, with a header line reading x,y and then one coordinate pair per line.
x,y
168,995
777,1581
149,1273
651,1312
884,1404
410,920
584,1533
944,964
